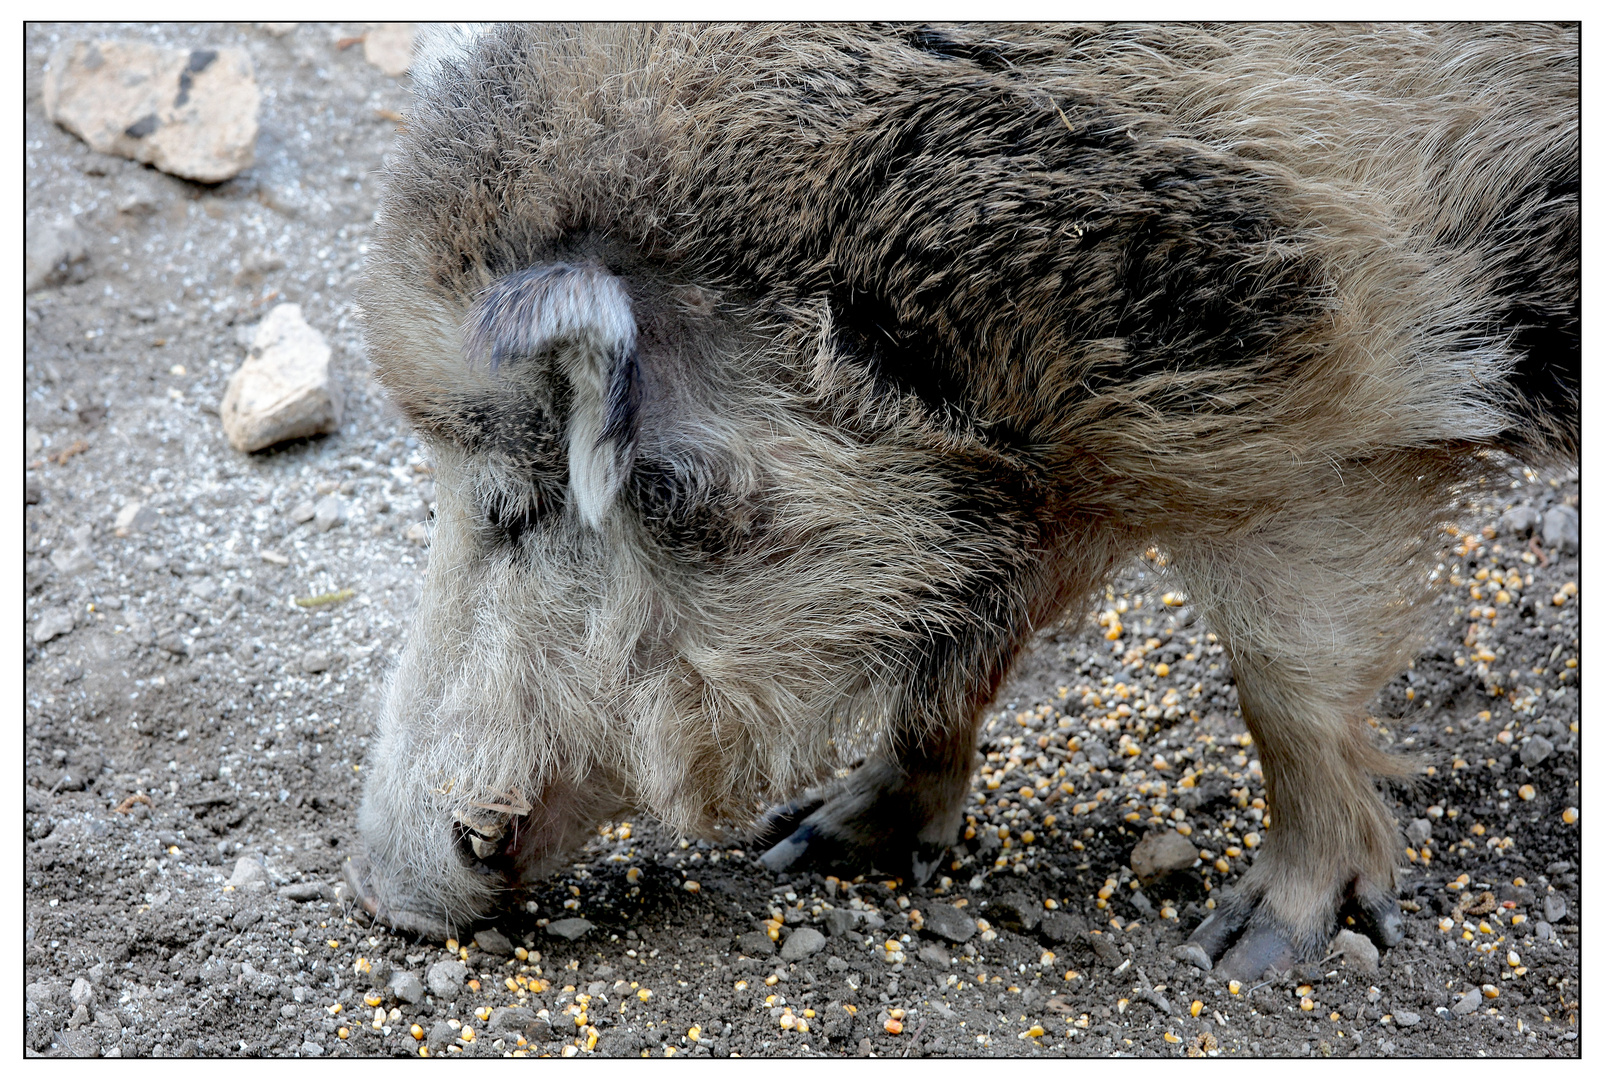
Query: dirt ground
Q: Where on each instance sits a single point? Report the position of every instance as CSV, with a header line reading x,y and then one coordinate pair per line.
x,y
194,740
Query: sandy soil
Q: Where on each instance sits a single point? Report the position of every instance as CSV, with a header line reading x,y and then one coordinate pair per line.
x,y
193,744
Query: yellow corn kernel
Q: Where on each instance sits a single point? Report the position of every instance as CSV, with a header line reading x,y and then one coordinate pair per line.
x,y
893,1025
1197,1007
1569,815
1170,1038
417,1032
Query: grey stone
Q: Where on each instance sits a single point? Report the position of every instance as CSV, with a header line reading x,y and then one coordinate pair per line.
x,y
1104,949
72,561
1162,853
569,929
329,513
306,890
445,979
1194,954
246,918
837,921
803,942
303,512
1407,1019
1419,831
311,1049
79,1043
172,643
493,941
314,661
1016,911
1535,750
1057,927
1519,522
1554,907
441,1035
248,875
284,389
290,1011
408,988
947,921
516,1020
1468,1003
753,943
933,953
81,993
53,253
1561,528
1544,931
188,112
1356,950
53,623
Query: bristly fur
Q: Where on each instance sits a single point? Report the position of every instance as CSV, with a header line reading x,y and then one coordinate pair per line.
x,y
783,379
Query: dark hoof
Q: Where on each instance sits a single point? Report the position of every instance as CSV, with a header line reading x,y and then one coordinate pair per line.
x,y
781,821
818,844
1242,940
359,891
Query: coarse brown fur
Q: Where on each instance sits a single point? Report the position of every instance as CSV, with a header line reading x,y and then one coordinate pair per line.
x,y
783,379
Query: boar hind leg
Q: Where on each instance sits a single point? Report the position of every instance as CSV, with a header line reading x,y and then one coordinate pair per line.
x,y
897,813
1314,624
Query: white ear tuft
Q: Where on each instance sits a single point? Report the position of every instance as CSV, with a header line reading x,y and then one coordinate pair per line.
x,y
583,315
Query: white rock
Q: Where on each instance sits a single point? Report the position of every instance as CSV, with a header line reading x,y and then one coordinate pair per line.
x,y
388,47
53,252
72,561
329,513
132,518
54,623
191,113
283,391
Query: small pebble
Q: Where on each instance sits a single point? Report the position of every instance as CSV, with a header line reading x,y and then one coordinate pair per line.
x,y
947,921
1536,750
804,942
407,987
569,929
1554,907
445,979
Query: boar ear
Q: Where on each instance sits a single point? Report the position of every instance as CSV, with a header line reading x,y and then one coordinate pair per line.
x,y
582,316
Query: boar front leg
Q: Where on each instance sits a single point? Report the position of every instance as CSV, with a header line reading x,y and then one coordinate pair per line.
x,y
898,812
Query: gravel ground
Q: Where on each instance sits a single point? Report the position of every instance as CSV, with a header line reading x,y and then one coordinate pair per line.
x,y
194,737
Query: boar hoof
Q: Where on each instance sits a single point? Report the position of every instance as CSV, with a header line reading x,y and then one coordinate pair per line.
x,y
816,845
1244,938
359,890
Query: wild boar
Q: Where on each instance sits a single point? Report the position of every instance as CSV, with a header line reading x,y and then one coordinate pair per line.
x,y
780,381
